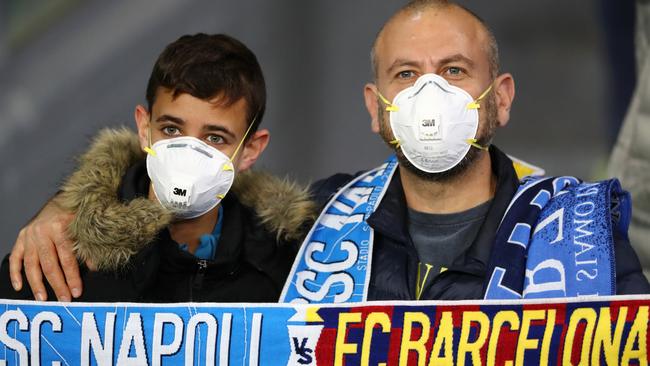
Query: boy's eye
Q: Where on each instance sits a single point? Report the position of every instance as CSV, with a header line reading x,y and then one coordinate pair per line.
x,y
215,139
171,131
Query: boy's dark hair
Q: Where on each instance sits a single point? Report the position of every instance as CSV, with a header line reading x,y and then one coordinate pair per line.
x,y
206,66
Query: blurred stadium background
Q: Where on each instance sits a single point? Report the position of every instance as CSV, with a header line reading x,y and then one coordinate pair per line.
x,y
70,67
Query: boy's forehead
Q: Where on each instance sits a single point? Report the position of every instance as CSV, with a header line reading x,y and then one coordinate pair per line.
x,y
193,110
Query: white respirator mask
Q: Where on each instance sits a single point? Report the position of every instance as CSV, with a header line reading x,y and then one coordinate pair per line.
x,y
434,123
189,177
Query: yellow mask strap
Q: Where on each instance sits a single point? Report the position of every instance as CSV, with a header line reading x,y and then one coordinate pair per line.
x,y
395,142
243,139
230,167
475,104
148,149
390,107
474,142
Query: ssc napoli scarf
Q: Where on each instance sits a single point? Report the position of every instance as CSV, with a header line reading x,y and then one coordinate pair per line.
x,y
333,265
556,239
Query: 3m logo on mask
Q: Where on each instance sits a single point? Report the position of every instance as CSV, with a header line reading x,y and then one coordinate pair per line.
x,y
429,129
180,192
180,197
428,123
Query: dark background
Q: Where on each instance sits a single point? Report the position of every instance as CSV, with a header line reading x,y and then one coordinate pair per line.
x,y
69,67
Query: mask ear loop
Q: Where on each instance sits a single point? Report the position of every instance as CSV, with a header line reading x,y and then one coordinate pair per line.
x,y
243,139
229,167
477,105
390,107
148,149
474,142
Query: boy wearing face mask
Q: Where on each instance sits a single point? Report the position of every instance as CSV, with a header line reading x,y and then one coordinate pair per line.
x,y
171,214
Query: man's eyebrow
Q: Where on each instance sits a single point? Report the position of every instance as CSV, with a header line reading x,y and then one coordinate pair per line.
x,y
401,62
456,58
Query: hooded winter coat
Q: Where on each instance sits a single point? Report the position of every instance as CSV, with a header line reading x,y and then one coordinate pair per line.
x,y
125,235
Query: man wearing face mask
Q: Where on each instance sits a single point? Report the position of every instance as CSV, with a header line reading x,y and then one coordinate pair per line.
x,y
449,216
155,212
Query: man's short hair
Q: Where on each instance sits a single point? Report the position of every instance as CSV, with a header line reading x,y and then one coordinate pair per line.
x,y
208,66
419,5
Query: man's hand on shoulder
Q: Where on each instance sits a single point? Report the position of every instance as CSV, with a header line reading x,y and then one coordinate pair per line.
x,y
44,249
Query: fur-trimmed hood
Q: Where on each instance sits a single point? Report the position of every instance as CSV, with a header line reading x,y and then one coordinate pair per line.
x,y
108,231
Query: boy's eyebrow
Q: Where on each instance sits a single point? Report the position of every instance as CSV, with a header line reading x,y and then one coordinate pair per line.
x,y
170,118
206,127
219,128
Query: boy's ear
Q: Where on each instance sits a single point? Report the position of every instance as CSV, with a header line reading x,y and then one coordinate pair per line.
x,y
142,122
252,149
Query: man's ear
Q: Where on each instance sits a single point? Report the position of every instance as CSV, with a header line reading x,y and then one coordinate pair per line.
x,y
142,121
505,94
252,149
370,96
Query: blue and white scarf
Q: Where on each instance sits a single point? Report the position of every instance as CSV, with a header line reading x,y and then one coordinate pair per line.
x,y
333,265
556,240
334,262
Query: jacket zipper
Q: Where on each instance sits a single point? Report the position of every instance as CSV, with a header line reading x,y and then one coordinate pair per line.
x,y
200,272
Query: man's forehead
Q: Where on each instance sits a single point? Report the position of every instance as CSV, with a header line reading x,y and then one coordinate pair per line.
x,y
439,32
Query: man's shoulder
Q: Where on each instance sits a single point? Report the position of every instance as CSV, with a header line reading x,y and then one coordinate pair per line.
x,y
323,189
282,206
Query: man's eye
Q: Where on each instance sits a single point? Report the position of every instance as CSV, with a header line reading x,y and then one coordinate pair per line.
x,y
214,139
454,71
171,131
407,74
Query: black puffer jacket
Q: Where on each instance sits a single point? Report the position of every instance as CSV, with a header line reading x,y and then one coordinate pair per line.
x,y
395,259
250,266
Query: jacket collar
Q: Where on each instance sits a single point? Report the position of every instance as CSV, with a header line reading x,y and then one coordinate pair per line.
x,y
136,183
390,217
114,222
